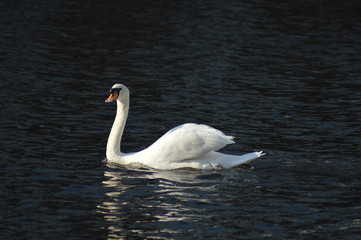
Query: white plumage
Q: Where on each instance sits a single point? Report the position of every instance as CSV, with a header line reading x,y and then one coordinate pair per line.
x,y
186,146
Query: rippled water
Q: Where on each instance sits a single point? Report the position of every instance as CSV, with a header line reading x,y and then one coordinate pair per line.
x,y
281,76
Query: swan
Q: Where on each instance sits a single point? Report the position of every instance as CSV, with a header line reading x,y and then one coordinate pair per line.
x,y
187,146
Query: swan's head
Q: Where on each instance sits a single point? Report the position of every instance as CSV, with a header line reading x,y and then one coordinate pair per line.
x,y
118,92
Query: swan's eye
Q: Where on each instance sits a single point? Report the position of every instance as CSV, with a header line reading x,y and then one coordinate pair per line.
x,y
115,90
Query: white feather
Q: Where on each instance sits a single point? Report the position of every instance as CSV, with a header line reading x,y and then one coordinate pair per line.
x,y
188,141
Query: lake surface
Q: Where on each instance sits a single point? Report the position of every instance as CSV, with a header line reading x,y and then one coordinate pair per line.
x,y
283,77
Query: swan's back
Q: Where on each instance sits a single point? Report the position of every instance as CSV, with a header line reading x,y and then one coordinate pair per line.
x,y
188,141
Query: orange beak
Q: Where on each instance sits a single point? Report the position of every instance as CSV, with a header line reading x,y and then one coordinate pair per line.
x,y
113,96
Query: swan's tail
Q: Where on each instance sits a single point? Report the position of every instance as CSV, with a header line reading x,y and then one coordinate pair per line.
x,y
231,161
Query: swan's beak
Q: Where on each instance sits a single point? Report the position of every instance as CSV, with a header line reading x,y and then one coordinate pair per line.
x,y
113,96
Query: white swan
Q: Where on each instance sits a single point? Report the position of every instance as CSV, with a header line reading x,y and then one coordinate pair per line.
x,y
186,146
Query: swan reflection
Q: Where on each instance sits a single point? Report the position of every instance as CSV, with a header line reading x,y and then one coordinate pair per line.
x,y
148,203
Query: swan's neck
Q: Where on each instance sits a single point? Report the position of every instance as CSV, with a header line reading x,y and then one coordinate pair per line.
x,y
115,136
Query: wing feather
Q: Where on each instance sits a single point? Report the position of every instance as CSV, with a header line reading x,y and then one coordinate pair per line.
x,y
188,141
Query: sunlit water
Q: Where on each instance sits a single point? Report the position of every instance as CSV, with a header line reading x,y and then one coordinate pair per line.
x,y
281,76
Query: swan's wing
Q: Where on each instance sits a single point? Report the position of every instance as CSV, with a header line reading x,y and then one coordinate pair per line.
x,y
188,141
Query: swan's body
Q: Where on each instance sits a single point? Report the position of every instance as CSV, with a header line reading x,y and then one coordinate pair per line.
x,y
187,146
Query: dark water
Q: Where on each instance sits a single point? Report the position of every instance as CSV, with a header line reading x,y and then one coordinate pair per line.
x,y
281,76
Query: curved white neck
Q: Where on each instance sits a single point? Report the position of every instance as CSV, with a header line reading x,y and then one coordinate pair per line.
x,y
115,136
